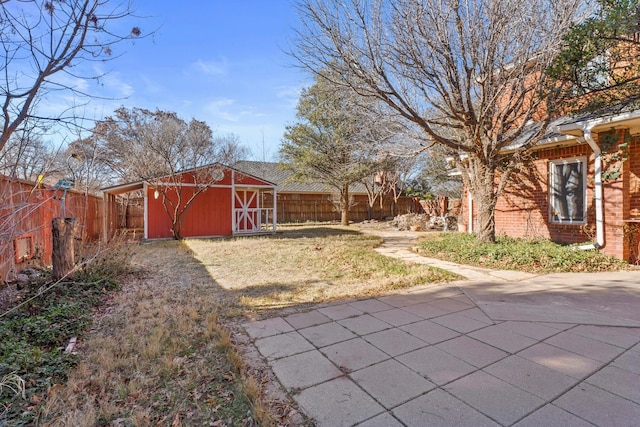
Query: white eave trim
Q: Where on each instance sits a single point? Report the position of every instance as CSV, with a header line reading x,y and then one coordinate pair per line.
x,y
597,123
556,141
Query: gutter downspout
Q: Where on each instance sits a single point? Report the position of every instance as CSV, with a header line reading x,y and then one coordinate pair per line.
x,y
597,163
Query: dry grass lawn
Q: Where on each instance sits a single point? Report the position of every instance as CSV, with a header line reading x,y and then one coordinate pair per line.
x,y
305,265
161,353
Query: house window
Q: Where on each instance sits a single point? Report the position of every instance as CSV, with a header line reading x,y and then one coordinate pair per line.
x,y
568,190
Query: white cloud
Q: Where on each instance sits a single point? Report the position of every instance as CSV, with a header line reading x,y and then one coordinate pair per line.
x,y
287,92
117,87
211,68
290,95
226,109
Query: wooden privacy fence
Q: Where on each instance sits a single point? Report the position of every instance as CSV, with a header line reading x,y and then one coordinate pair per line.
x,y
26,212
292,208
320,208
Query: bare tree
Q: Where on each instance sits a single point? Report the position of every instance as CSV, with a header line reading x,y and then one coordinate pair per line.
x,y
158,146
334,141
42,44
28,157
467,73
92,171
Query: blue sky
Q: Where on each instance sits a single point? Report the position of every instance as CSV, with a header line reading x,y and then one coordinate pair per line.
x,y
220,61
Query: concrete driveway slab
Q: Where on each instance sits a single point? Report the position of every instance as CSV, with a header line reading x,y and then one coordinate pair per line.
x,y
439,409
395,341
507,350
383,420
584,346
425,310
531,377
617,381
621,337
461,322
436,365
337,403
400,300
304,370
581,298
561,360
397,317
391,383
502,338
365,324
282,345
370,305
304,320
552,416
430,332
629,361
342,311
532,330
354,354
267,327
326,334
599,406
472,351
495,398
451,305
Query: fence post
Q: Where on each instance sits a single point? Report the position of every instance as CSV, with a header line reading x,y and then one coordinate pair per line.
x,y
63,252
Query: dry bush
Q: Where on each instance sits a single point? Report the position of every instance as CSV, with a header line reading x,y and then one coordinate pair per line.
x,y
105,261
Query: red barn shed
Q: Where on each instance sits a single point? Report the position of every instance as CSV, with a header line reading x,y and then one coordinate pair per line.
x,y
230,205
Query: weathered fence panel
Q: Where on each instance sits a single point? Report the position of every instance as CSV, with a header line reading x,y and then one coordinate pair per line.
x,y
293,208
26,213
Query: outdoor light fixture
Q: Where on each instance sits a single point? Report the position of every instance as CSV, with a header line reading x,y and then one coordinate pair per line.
x,y
156,194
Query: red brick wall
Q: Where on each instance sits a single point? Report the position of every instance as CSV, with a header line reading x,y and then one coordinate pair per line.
x,y
523,210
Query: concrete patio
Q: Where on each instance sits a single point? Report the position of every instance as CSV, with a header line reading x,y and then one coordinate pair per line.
x,y
498,350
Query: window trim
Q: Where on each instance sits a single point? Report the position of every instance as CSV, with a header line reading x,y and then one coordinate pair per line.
x,y
552,197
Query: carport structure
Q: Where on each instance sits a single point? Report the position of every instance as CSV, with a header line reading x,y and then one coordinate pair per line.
x,y
229,205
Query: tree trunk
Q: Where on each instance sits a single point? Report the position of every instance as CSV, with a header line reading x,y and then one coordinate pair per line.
x,y
483,189
345,205
176,229
63,256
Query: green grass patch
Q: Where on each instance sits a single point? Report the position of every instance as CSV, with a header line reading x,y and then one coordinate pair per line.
x,y
33,338
36,329
534,256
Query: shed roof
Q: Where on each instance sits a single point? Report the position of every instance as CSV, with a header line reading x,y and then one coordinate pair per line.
x,y
137,185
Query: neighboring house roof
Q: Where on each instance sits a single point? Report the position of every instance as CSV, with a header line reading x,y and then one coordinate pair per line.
x,y
282,177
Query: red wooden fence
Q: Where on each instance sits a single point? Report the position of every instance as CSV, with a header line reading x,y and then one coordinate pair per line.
x,y
26,211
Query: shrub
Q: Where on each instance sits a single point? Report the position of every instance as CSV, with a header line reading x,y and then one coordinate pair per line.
x,y
507,253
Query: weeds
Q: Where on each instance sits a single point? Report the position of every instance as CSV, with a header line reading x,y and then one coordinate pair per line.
x,y
534,256
160,355
33,334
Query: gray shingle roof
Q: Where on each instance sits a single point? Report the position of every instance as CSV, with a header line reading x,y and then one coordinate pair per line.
x,y
280,176
554,130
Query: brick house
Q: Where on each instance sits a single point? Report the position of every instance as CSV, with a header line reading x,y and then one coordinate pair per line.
x,y
581,185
